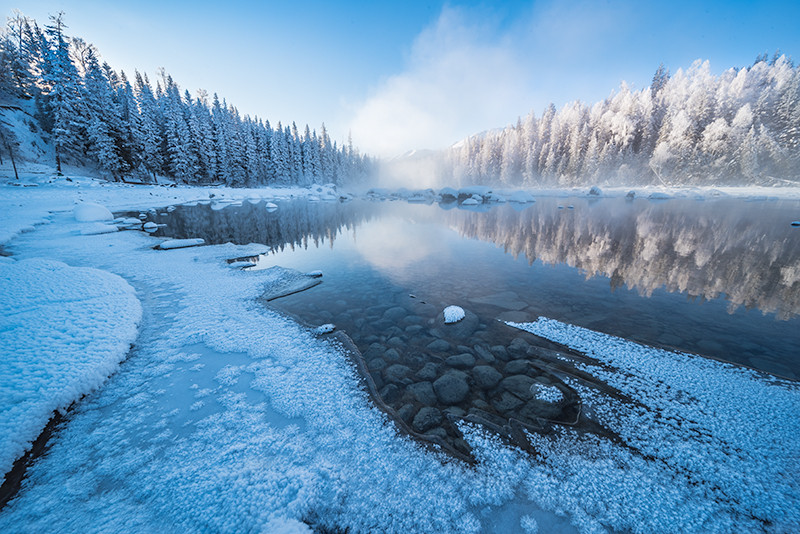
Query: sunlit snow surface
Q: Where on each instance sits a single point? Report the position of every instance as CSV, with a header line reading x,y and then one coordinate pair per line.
x,y
227,417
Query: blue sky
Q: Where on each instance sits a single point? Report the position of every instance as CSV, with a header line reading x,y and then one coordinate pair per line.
x,y
416,74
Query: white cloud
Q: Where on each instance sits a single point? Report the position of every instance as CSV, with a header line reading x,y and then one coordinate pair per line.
x,y
460,79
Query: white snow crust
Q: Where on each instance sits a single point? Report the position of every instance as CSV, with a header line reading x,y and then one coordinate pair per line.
x,y
63,331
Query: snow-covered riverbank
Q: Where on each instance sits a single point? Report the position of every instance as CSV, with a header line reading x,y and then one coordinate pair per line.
x,y
227,417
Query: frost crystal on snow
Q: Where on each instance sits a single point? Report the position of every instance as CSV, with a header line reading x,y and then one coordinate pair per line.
x,y
453,314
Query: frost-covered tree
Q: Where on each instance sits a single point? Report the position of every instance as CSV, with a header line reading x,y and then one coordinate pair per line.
x,y
691,127
94,115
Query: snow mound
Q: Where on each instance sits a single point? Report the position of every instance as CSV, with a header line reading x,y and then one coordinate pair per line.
x,y
595,191
453,314
314,274
90,212
63,331
470,202
271,206
658,195
150,226
181,243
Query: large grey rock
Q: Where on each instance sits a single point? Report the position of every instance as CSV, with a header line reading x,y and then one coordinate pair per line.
x,y
499,351
397,374
428,372
461,361
390,393
374,350
462,330
440,345
407,412
438,432
414,329
519,346
519,385
484,354
516,367
376,364
424,392
396,342
426,419
395,313
392,355
506,402
486,377
451,388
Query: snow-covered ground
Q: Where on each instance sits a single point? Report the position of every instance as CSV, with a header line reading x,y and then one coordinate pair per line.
x,y
227,417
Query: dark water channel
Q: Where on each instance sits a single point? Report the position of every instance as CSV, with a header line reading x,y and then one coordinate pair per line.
x,y
719,278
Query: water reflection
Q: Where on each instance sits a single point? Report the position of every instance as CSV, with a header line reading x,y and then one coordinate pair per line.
x,y
296,223
730,256
746,252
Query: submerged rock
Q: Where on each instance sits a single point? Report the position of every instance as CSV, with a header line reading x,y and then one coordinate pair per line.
x,y
423,391
452,387
486,377
426,419
461,361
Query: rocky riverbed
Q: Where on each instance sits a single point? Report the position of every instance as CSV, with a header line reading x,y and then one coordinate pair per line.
x,y
429,375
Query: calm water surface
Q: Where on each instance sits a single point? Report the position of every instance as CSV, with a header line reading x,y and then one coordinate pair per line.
x,y
717,277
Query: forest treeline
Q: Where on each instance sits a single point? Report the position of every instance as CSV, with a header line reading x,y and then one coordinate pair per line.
x,y
690,128
132,128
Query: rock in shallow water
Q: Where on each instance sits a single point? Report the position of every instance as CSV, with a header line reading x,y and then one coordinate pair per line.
x,y
461,361
397,374
423,391
426,419
428,372
452,387
486,377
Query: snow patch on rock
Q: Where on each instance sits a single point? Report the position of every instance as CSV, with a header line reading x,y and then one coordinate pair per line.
x,y
453,314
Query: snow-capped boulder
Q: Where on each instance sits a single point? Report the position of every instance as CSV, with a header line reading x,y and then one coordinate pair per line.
x,y
90,212
453,314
